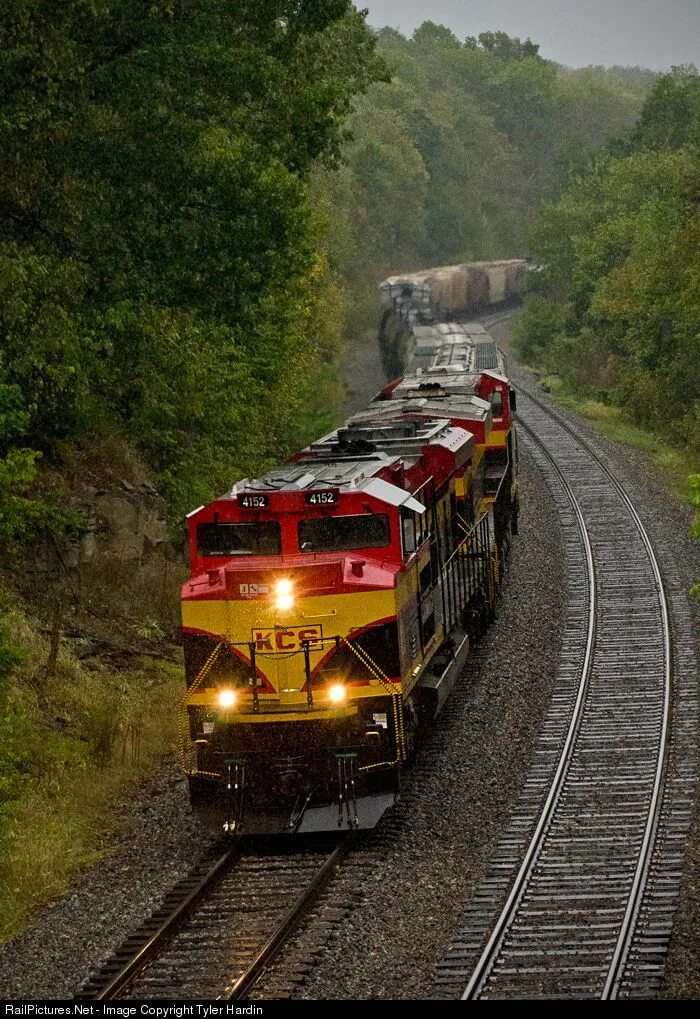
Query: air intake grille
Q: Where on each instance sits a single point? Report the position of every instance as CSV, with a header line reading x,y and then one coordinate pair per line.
x,y
486,356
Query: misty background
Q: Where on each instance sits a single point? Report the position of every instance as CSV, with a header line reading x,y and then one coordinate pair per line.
x,y
635,32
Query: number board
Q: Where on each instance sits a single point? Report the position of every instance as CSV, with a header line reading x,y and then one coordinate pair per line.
x,y
253,501
321,498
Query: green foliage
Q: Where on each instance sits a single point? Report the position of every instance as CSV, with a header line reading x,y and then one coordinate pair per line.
x,y
17,468
21,516
614,310
451,160
10,655
694,500
12,748
502,46
158,240
67,753
538,326
671,115
176,214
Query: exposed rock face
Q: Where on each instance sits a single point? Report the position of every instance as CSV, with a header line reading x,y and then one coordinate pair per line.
x,y
127,522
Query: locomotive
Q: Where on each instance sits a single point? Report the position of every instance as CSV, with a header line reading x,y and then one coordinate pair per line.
x,y
332,602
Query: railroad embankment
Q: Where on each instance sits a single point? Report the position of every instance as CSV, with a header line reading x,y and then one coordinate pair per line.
x,y
91,631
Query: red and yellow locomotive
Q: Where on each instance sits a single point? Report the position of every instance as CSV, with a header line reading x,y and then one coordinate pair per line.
x,y
332,602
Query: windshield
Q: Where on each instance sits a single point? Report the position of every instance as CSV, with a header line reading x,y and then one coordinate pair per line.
x,y
254,538
337,534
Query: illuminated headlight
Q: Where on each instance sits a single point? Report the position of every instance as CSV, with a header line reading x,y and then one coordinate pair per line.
x,y
284,599
337,693
227,698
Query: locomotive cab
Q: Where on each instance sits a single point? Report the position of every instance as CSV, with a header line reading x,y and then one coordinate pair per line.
x,y
290,624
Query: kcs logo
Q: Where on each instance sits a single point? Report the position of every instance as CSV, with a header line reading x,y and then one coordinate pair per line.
x,y
288,640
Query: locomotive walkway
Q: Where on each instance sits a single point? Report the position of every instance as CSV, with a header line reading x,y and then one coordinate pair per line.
x,y
584,882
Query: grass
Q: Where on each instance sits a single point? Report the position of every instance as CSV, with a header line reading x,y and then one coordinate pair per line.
x,y
674,462
90,684
73,746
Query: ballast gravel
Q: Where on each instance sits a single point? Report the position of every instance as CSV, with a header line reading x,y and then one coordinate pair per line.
x,y
418,884
667,520
419,870
425,861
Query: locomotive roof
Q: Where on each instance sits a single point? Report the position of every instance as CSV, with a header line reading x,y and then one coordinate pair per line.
x,y
351,457
439,403
306,474
437,382
464,346
449,360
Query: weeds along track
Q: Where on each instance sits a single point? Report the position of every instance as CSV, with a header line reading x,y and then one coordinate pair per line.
x,y
219,928
582,888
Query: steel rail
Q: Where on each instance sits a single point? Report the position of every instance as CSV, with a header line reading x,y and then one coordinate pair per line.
x,y
139,952
516,955
627,929
150,947
289,923
493,946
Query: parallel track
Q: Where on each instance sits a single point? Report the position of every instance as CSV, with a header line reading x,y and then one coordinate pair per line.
x,y
574,871
219,929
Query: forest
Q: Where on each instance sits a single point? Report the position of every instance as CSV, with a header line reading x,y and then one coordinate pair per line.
x,y
613,313
198,201
198,205
614,309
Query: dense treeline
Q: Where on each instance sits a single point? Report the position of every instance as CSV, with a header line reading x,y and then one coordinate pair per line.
x,y
197,200
615,310
451,159
161,274
163,288
180,248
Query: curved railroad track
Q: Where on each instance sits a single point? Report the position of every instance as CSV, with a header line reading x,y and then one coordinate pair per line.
x,y
559,914
218,929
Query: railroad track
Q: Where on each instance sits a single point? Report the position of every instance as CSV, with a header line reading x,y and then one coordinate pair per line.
x,y
218,930
576,903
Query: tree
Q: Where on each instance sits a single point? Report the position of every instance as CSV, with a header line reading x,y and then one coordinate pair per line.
x,y
615,311
671,114
158,243
503,46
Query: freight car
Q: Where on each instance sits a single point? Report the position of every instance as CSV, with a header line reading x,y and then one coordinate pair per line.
x,y
441,294
333,601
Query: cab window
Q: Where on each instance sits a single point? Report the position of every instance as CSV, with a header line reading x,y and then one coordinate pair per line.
x,y
408,532
250,538
339,534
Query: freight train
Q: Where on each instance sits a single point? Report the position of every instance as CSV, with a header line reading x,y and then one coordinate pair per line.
x,y
443,293
332,602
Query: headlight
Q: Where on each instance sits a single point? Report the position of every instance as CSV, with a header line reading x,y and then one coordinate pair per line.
x,y
337,693
227,698
284,599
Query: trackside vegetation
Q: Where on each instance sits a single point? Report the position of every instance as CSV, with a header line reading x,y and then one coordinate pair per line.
x,y
451,160
613,312
165,297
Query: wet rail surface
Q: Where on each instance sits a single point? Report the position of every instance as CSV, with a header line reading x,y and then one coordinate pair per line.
x,y
581,891
219,928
